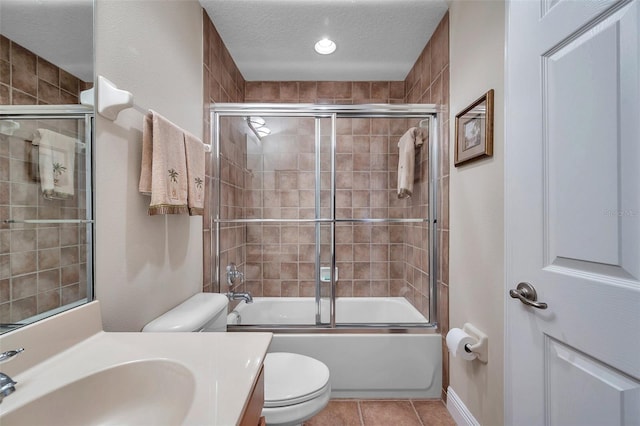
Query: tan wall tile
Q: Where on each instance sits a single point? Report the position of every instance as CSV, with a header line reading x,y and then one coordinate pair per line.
x,y
5,72
24,286
28,73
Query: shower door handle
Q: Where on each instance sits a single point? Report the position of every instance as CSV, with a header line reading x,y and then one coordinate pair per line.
x,y
527,295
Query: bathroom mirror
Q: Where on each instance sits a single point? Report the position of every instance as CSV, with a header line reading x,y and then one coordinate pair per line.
x,y
46,235
46,51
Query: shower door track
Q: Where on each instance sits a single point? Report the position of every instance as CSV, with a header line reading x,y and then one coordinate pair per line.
x,y
345,111
362,220
342,328
425,111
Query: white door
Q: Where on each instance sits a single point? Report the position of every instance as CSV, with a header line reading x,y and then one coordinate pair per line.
x,y
573,212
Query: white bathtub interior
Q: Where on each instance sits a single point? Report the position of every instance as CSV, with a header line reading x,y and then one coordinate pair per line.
x,y
349,310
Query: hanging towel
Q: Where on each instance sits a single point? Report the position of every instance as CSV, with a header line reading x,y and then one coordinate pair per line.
x,y
164,166
144,186
407,145
56,163
194,151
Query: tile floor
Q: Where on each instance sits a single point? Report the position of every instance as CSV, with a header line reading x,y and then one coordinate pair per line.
x,y
399,412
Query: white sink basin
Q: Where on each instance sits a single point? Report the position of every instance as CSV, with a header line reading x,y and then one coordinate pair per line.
x,y
146,392
74,373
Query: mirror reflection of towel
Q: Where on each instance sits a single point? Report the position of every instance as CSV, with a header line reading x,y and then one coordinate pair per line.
x,y
56,163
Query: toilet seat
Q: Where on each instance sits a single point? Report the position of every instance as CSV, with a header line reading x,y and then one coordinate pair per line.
x,y
293,379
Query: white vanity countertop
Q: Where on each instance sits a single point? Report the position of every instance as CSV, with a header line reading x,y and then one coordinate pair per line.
x,y
225,367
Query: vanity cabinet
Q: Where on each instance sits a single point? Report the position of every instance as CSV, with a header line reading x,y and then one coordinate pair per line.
x,y
253,408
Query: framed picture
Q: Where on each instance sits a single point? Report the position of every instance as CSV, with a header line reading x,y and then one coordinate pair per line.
x,y
474,130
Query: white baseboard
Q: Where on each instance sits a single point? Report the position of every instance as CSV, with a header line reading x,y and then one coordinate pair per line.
x,y
460,413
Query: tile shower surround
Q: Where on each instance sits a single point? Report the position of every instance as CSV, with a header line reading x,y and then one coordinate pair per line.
x,y
27,79
42,267
373,260
223,83
427,82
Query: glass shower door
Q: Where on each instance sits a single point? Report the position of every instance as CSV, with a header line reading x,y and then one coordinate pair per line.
x,y
46,217
382,241
308,211
274,190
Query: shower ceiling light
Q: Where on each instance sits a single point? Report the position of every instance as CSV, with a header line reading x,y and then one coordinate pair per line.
x,y
257,121
257,126
325,46
263,131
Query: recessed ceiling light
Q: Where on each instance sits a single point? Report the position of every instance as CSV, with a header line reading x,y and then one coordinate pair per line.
x,y
325,46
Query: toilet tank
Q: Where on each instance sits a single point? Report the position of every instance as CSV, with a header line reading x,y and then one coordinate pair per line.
x,y
201,312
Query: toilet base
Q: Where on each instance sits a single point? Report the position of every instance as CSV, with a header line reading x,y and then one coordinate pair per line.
x,y
294,415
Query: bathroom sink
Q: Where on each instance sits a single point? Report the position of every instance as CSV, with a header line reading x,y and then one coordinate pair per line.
x,y
147,392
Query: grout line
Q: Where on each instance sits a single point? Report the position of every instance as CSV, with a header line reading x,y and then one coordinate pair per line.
x,y
360,413
416,412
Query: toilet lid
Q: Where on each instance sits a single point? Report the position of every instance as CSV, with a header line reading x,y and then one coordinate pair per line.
x,y
292,379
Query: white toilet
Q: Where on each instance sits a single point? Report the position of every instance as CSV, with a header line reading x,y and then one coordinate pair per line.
x,y
296,387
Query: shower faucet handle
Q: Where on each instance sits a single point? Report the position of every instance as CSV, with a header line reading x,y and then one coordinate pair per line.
x,y
233,274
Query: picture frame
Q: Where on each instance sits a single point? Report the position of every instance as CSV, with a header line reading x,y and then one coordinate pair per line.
x,y
474,131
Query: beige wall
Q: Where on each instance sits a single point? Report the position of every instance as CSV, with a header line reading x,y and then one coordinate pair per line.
x,y
476,293
144,265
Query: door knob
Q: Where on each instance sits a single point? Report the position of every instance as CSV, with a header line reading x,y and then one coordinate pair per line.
x,y
527,295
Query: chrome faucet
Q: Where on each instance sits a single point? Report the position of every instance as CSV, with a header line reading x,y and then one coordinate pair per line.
x,y
246,296
7,384
234,275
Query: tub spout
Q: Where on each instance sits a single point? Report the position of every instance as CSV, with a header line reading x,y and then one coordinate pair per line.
x,y
246,296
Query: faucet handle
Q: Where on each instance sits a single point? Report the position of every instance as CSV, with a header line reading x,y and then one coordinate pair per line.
x,y
4,356
234,274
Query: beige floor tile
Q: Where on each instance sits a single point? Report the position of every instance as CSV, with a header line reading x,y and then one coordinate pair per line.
x,y
387,413
337,413
433,413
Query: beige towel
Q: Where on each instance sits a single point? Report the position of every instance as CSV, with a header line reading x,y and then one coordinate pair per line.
x,y
413,138
194,150
165,175
56,163
144,185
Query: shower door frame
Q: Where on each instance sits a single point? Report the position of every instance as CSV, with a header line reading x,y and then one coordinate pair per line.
x,y
428,112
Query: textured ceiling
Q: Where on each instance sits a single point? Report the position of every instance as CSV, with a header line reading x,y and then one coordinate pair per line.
x,y
272,40
60,31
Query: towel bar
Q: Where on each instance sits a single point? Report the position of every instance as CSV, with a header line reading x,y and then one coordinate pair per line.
x,y
112,100
45,221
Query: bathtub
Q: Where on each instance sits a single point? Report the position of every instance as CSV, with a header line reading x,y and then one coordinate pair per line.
x,y
378,363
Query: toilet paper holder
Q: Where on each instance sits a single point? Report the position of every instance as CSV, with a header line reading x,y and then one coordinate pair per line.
x,y
480,348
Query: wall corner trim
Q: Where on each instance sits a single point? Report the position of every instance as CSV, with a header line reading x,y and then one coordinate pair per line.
x,y
460,413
